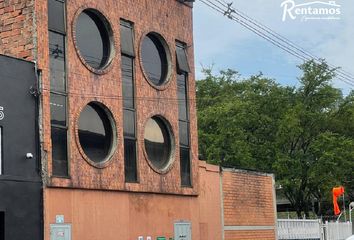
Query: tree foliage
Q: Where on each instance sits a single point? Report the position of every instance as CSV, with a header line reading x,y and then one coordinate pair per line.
x,y
304,135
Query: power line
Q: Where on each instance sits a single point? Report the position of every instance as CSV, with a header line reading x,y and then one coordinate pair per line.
x,y
271,36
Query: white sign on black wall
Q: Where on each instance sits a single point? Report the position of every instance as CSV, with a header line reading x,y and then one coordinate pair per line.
x,y
2,114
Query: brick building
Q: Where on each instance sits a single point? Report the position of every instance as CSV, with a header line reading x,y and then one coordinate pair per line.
x,y
113,95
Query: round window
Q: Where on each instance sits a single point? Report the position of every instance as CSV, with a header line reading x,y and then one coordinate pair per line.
x,y
96,132
158,143
93,38
155,58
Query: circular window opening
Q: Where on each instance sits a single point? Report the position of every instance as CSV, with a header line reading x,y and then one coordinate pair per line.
x,y
96,132
158,143
155,58
94,38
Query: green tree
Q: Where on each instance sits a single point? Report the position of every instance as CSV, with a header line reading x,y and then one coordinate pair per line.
x,y
302,134
238,119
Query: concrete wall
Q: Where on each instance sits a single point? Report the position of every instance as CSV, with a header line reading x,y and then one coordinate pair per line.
x,y
249,205
112,215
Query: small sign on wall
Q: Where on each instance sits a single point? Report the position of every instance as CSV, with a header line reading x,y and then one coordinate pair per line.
x,y
59,219
2,114
60,232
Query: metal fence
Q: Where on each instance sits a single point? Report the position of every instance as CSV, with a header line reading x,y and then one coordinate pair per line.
x,y
337,231
298,229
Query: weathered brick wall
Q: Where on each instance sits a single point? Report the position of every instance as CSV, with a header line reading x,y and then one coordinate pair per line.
x,y
173,21
250,235
17,28
249,207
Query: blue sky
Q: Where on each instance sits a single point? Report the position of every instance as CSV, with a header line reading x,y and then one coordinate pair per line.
x,y
225,44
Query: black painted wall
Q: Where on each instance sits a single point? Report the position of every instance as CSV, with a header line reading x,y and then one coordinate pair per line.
x,y
20,182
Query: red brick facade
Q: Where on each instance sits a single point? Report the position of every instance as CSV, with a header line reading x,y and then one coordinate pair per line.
x,y
17,35
249,205
173,21
246,200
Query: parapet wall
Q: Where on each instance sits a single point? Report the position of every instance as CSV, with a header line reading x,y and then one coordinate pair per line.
x,y
249,205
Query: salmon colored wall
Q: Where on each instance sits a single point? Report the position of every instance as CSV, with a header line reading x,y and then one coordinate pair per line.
x,y
112,215
210,202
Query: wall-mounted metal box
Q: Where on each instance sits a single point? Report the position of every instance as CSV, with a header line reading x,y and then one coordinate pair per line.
x,y
183,231
60,232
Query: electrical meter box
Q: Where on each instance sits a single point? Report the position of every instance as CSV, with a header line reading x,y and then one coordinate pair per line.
x,y
183,231
60,232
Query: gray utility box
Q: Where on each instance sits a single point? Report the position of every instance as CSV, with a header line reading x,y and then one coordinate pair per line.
x,y
60,232
183,231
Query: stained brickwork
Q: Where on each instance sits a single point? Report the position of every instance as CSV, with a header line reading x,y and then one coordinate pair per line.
x,y
249,235
248,199
16,28
173,21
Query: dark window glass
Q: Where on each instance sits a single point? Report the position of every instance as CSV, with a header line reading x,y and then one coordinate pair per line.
x,y
2,226
182,97
128,82
56,15
59,154
57,61
154,59
185,167
93,38
184,133
130,166
58,109
182,60
126,38
157,142
129,123
95,133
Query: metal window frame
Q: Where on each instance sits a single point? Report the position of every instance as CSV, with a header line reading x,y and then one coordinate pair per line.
x,y
187,120
129,24
65,93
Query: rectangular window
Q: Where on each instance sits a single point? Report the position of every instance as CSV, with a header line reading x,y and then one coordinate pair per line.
x,y
128,87
1,153
58,109
127,68
58,87
185,167
129,123
57,62
56,15
130,160
182,60
183,114
59,151
127,38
